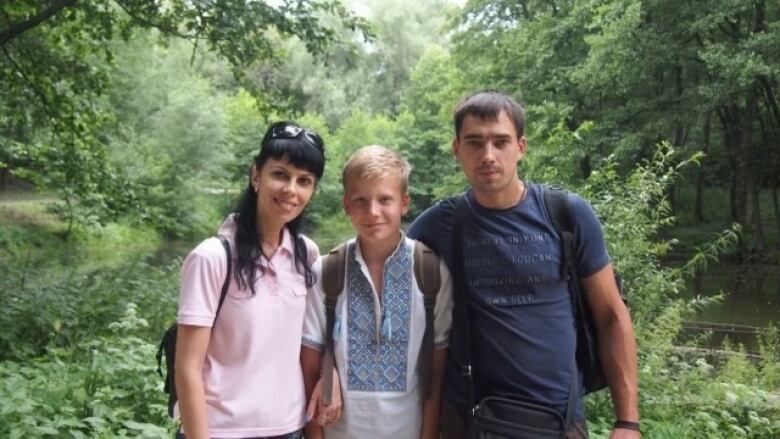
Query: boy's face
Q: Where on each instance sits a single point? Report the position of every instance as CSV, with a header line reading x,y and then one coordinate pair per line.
x,y
375,207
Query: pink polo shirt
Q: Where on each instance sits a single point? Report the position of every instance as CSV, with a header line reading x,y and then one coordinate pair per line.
x,y
252,374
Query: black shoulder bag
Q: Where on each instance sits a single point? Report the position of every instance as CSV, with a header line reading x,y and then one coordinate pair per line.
x,y
499,417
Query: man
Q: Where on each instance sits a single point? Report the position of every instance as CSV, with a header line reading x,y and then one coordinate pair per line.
x,y
522,324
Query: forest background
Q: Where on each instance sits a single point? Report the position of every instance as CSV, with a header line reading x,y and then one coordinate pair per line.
x,y
126,129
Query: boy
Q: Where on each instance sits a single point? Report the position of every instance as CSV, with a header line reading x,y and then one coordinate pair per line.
x,y
380,315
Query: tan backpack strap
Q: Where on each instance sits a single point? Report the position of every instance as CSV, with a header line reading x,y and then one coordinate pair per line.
x,y
333,269
428,276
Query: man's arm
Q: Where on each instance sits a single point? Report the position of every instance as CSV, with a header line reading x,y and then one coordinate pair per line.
x,y
432,406
617,347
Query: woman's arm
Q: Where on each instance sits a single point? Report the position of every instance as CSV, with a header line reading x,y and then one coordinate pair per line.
x,y
310,364
191,345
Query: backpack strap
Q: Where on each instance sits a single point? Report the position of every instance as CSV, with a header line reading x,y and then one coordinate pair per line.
x,y
226,282
428,276
333,270
461,325
556,201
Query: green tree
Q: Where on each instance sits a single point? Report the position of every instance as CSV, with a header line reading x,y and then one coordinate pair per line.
x,y
644,71
56,60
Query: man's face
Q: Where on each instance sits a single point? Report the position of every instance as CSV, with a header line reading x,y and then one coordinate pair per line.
x,y
488,150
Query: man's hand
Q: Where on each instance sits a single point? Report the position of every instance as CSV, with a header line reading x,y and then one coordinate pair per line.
x,y
324,415
624,433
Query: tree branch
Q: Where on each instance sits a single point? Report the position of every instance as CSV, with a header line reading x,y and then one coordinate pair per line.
x,y
148,23
16,29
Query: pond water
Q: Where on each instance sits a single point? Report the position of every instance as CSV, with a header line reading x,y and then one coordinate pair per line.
x,y
751,294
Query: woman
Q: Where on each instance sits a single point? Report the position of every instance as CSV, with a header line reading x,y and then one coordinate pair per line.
x,y
242,378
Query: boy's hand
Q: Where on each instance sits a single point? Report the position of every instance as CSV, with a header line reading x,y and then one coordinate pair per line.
x,y
325,415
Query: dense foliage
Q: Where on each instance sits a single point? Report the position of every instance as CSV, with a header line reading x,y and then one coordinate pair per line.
x,y
78,359
140,118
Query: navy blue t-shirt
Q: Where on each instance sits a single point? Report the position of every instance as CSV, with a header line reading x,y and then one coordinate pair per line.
x,y
523,327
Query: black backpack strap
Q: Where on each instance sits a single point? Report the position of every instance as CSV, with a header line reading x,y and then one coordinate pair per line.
x,y
428,275
556,201
229,273
333,270
461,316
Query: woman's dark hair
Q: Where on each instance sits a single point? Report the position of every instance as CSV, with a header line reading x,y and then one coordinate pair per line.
x,y
303,149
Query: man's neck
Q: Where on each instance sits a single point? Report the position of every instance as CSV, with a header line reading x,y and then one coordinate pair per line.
x,y
504,199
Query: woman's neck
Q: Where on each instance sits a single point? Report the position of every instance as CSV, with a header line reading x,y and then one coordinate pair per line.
x,y
270,235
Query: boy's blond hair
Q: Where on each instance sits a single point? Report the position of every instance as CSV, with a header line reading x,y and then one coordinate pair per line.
x,y
375,161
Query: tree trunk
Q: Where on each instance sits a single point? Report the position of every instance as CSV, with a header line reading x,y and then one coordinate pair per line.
x,y
728,116
699,204
758,227
751,180
776,206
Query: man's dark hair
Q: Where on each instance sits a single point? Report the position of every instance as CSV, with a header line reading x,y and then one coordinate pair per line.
x,y
489,104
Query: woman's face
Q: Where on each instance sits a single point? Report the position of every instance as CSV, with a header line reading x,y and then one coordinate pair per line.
x,y
283,190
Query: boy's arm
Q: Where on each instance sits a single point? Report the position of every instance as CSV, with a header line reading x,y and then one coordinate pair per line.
x,y
432,407
442,323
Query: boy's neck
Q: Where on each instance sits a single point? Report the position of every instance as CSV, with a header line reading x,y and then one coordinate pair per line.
x,y
377,252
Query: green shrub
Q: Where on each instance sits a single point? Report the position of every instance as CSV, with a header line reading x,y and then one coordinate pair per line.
x,y
106,387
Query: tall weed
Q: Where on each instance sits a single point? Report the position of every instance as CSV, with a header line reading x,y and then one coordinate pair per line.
x,y
682,394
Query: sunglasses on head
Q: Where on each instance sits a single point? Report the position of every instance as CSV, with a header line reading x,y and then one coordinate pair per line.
x,y
290,131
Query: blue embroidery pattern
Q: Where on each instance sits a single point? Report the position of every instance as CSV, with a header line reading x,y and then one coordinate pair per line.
x,y
379,366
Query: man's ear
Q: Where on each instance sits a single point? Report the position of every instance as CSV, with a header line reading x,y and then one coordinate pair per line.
x,y
455,146
522,145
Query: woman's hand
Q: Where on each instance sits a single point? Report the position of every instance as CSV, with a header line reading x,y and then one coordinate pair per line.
x,y
321,414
